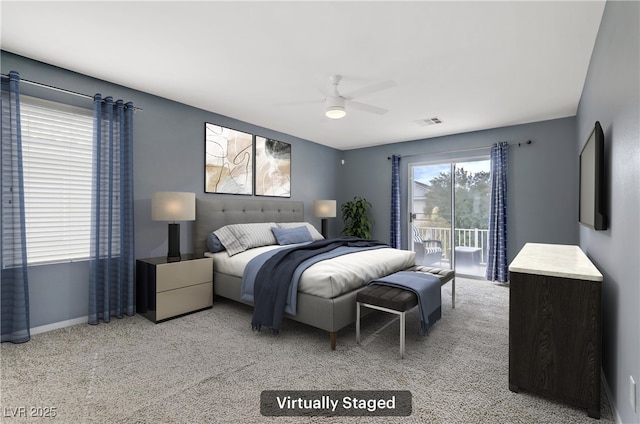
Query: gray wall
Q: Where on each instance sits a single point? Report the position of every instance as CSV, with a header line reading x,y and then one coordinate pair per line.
x,y
168,156
542,198
611,95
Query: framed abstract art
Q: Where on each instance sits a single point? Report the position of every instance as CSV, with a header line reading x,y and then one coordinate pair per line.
x,y
228,161
273,168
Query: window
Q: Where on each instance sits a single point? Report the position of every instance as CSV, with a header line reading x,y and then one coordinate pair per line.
x,y
57,146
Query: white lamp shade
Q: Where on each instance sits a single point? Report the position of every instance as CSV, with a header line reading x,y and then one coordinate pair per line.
x,y
324,208
173,206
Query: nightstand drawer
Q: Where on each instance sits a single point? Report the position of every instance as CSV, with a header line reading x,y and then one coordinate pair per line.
x,y
175,302
175,275
168,289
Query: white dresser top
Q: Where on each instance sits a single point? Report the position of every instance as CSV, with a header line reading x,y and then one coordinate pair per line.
x,y
555,260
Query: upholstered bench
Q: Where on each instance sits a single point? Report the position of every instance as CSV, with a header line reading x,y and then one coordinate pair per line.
x,y
396,300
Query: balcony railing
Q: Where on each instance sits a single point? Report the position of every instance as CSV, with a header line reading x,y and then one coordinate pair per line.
x,y
467,237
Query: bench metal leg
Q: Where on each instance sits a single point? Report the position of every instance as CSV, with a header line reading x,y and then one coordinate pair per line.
x,y
402,321
391,311
357,322
453,293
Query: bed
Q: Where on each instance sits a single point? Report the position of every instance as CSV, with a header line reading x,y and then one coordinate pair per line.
x,y
320,310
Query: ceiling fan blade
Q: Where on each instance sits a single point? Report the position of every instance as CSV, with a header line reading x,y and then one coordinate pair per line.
x,y
366,108
299,103
371,89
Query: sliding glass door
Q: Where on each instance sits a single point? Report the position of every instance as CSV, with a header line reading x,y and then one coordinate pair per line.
x,y
430,215
449,214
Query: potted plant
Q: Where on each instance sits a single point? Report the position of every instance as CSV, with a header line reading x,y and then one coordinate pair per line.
x,y
357,218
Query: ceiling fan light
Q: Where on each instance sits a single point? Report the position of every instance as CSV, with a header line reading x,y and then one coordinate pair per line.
x,y
335,107
335,112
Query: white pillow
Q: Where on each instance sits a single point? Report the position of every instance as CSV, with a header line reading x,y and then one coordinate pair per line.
x,y
228,239
237,238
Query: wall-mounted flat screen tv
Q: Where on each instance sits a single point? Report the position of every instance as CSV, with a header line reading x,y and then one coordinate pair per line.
x,y
592,187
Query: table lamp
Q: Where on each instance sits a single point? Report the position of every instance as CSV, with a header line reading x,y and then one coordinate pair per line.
x,y
173,206
324,209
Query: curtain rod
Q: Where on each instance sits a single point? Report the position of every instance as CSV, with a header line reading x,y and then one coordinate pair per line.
x,y
62,90
461,150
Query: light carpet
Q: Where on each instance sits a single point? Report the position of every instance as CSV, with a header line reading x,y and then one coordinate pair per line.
x,y
209,367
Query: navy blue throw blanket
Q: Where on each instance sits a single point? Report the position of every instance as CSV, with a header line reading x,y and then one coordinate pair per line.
x,y
274,278
426,287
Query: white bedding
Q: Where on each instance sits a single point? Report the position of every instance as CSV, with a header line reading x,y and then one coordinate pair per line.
x,y
331,277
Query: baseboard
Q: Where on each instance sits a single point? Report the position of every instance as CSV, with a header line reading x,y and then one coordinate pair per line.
x,y
58,325
607,392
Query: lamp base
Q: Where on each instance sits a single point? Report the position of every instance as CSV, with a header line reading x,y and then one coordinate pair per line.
x,y
173,255
324,227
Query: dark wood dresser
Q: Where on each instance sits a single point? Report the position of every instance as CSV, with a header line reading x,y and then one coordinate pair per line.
x,y
555,327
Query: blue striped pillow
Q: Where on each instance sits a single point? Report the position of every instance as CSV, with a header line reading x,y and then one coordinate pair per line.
x,y
292,235
315,234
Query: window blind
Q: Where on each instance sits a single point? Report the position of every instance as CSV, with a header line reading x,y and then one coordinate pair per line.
x,y
57,147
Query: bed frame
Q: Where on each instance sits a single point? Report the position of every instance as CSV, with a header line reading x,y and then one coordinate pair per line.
x,y
212,213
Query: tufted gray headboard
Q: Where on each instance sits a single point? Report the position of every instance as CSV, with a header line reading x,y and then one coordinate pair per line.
x,y
213,213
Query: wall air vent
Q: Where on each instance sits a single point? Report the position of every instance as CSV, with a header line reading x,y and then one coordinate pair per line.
x,y
428,121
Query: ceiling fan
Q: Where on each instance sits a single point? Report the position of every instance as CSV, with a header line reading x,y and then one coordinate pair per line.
x,y
336,104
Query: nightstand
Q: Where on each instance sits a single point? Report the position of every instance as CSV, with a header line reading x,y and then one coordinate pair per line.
x,y
167,290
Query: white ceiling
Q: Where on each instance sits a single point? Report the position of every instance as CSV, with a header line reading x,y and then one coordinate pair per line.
x,y
475,65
